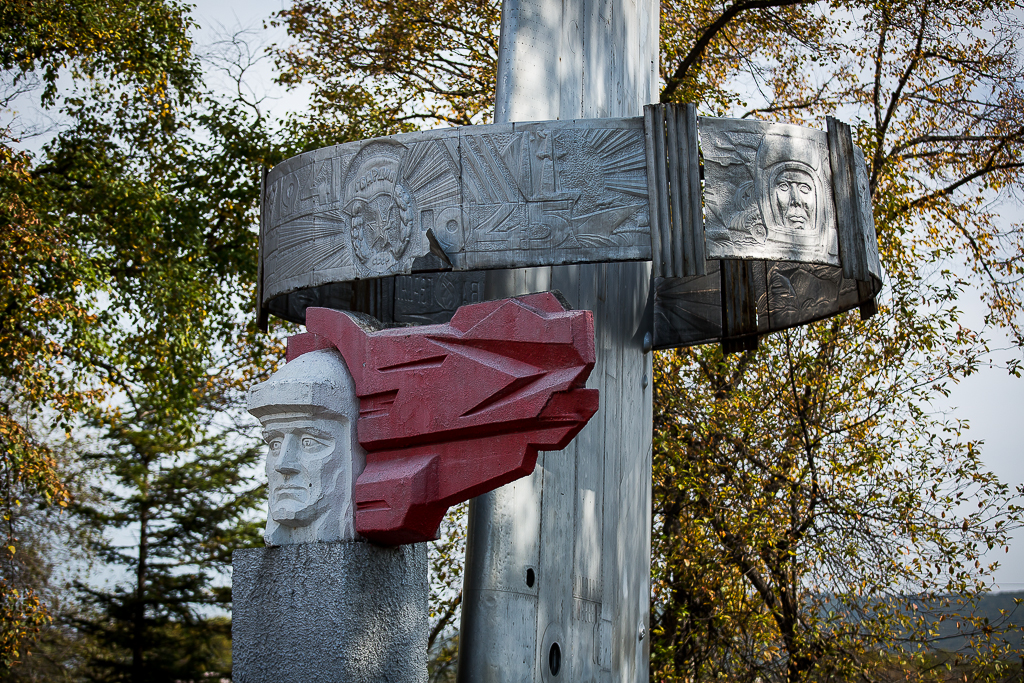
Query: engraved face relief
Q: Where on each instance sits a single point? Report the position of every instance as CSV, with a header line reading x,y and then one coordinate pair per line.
x,y
795,199
488,196
308,411
380,209
791,194
767,192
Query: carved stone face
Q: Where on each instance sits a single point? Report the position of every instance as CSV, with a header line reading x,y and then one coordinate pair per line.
x,y
309,410
303,465
795,198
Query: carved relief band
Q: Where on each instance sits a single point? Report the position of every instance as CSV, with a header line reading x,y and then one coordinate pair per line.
x,y
789,201
768,192
468,198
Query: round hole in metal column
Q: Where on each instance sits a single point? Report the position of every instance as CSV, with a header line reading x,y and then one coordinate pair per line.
x,y
554,666
554,659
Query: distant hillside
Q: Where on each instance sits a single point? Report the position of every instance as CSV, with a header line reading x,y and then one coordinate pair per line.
x,y
989,608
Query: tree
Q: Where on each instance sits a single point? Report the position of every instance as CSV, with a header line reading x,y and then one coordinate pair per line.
x,y
942,130
385,67
46,334
28,467
446,558
130,269
178,474
171,483
810,514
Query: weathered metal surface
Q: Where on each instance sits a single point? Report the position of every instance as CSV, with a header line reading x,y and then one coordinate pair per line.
x,y
579,525
798,293
844,189
865,213
688,311
466,198
858,245
739,306
662,261
433,298
420,299
693,248
673,176
447,412
767,192
571,191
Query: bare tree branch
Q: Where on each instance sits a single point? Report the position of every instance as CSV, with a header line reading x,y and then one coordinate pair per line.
x,y
697,51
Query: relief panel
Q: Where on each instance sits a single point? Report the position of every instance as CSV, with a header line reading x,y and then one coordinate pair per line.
x,y
767,192
483,196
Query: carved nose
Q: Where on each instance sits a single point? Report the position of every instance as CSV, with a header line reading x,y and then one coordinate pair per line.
x,y
289,463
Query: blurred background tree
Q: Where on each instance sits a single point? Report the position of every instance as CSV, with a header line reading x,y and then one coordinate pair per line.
x,y
129,263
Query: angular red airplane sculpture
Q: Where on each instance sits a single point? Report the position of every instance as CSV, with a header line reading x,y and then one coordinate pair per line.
x,y
447,412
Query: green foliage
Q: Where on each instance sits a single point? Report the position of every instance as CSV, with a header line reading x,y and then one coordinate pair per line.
x,y
144,45
809,512
36,266
812,516
185,493
386,67
22,615
177,251
446,557
129,259
49,359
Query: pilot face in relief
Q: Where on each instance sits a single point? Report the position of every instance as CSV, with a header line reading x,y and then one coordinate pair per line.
x,y
788,186
795,200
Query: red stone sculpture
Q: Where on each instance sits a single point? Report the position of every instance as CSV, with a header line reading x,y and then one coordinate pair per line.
x,y
448,412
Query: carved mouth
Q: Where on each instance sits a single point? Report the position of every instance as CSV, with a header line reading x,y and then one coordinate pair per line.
x,y
798,217
290,492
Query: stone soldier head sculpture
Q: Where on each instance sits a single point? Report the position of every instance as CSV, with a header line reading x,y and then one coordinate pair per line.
x,y
309,411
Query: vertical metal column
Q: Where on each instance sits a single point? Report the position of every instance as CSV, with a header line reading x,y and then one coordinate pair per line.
x,y
557,577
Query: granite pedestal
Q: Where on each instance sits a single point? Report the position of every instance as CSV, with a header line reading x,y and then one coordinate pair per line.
x,y
347,612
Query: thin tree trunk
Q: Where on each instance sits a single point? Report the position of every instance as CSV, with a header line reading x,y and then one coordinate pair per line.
x,y
139,616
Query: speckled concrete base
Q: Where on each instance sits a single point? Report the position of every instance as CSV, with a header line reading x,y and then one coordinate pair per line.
x,y
345,612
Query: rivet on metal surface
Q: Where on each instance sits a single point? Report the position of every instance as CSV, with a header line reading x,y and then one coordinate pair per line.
x,y
644,382
642,631
648,342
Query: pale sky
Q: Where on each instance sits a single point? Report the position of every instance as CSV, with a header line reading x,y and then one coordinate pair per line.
x,y
990,400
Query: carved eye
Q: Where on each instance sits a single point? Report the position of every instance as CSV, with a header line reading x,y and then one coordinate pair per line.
x,y
310,444
275,444
804,188
783,187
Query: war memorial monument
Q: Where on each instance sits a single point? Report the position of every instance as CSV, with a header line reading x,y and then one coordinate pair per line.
x,y
480,306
